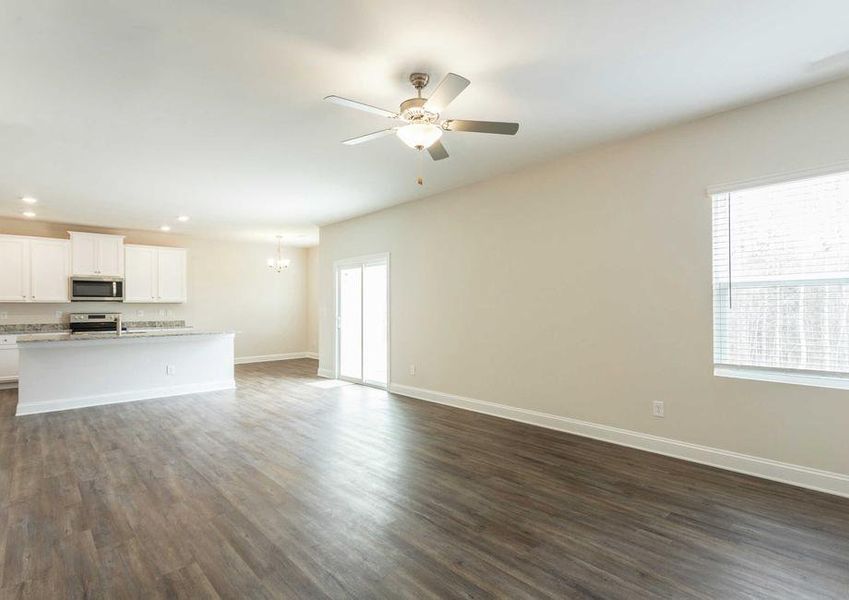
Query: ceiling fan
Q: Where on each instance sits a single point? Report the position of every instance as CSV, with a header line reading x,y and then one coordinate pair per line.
x,y
422,127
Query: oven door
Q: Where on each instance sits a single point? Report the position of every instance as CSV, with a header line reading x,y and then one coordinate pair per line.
x,y
92,289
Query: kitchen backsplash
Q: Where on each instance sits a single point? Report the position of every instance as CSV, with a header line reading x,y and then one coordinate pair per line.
x,y
37,314
51,327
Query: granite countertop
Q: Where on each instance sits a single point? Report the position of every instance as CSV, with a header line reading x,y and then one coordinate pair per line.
x,y
128,335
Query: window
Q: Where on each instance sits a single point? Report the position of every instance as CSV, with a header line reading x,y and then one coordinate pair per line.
x,y
781,282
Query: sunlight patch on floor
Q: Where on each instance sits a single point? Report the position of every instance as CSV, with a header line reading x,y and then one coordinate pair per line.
x,y
327,384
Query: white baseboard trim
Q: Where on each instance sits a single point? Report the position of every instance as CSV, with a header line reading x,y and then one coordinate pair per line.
x,y
815,479
313,355
117,397
326,373
243,360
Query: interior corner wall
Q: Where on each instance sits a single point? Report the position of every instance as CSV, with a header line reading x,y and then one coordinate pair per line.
x,y
312,299
582,287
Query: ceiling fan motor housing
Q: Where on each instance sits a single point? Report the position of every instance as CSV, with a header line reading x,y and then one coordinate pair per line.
x,y
413,111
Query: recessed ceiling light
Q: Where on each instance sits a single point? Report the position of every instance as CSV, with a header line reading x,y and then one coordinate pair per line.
x,y
29,214
182,218
29,200
165,228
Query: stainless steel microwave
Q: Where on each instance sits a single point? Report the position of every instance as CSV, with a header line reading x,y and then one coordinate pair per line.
x,y
94,288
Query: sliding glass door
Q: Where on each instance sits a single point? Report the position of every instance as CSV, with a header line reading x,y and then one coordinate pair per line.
x,y
351,323
362,319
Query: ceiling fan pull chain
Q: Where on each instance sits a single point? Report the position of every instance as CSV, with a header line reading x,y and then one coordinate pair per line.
x,y
420,178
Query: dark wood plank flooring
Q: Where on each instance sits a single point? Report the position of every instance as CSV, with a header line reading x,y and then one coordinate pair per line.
x,y
298,487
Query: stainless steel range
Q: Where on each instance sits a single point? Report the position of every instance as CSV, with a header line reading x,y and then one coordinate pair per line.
x,y
95,323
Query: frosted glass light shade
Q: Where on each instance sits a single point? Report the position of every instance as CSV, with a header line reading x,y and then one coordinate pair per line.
x,y
420,135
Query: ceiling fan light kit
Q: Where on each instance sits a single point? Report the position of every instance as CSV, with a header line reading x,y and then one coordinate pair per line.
x,y
419,135
423,129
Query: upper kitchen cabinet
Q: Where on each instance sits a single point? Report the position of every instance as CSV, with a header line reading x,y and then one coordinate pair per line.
x,y
14,269
50,269
140,273
97,254
155,274
34,269
171,275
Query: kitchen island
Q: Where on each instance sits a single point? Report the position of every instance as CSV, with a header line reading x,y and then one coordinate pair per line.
x,y
64,371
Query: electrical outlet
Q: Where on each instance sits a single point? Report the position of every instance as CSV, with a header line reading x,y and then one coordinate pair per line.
x,y
4,315
412,369
139,313
161,312
657,408
58,314
170,370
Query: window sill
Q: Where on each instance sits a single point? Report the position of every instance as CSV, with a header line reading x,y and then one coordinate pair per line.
x,y
777,376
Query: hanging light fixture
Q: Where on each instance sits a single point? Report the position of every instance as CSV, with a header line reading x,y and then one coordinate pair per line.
x,y
279,264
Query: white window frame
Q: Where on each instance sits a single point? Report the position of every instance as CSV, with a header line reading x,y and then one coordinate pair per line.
x,y
768,374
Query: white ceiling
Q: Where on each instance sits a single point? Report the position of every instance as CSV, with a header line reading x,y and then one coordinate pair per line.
x,y
126,114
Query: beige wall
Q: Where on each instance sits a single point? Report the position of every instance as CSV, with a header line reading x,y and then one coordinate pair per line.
x,y
312,299
229,288
582,287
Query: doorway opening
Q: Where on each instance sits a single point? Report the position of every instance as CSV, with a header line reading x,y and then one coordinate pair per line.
x,y
362,320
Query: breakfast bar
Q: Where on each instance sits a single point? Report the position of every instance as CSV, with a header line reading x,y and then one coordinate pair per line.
x,y
64,371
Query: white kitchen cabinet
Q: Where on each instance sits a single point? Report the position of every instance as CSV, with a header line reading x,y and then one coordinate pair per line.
x,y
14,268
50,269
154,274
171,268
34,269
97,254
139,273
83,254
8,361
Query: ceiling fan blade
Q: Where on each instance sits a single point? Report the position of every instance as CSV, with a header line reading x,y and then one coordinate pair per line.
x,y
481,126
360,106
437,151
368,137
448,89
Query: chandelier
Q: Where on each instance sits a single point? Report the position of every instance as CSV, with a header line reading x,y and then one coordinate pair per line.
x,y
279,264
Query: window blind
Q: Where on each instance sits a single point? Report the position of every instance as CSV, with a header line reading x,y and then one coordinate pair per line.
x,y
781,277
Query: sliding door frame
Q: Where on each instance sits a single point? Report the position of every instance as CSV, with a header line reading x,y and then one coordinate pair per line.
x,y
362,262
